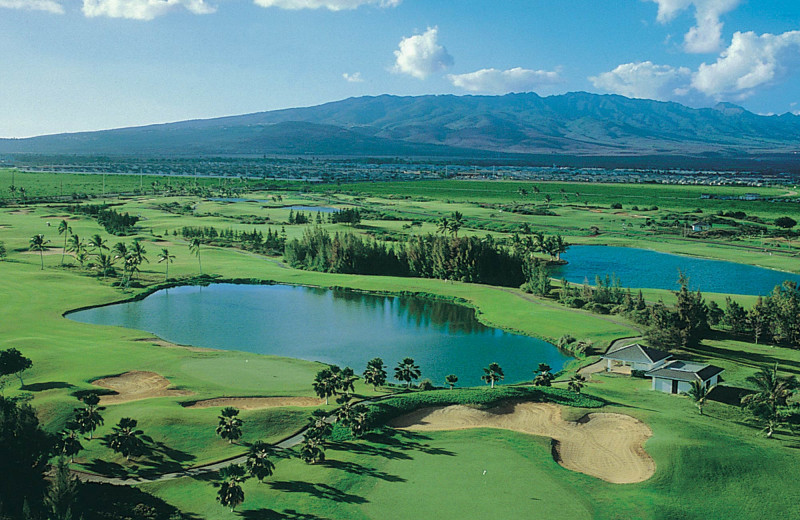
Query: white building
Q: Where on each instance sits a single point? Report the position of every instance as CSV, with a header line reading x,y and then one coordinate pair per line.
x,y
676,377
636,356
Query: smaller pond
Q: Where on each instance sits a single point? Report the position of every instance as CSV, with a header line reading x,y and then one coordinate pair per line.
x,y
339,327
642,268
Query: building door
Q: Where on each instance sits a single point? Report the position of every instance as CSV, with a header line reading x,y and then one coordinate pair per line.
x,y
674,386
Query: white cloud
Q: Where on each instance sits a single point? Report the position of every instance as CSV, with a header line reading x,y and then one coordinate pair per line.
x,y
421,55
503,81
51,6
751,61
142,9
353,78
644,80
332,5
706,35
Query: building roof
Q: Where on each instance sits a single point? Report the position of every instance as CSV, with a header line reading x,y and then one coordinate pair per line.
x,y
701,223
635,353
685,371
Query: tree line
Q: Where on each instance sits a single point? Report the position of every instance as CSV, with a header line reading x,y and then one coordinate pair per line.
x,y
114,223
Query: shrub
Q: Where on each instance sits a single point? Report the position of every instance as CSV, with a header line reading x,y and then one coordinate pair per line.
x,y
597,308
426,385
638,373
616,205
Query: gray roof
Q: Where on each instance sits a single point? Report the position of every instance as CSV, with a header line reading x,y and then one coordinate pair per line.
x,y
636,353
685,371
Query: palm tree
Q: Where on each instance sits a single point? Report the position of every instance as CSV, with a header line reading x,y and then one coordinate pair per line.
x,y
492,374
576,383
443,225
69,444
230,492
543,377
167,258
319,427
230,426
88,418
451,380
138,251
407,371
456,222
104,265
77,246
359,422
97,243
38,243
699,392
325,384
772,391
126,439
375,374
64,229
258,463
121,253
312,451
194,248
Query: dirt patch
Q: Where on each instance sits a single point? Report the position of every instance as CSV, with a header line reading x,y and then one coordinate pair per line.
x,y
608,446
167,344
162,243
135,386
256,403
47,252
20,212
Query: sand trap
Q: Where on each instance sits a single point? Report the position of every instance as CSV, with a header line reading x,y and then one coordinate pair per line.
x,y
135,386
46,252
19,212
168,344
608,446
162,243
256,403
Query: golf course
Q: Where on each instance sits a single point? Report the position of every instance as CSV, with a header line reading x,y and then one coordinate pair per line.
x,y
234,302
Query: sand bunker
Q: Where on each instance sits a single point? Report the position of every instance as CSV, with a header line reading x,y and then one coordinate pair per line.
x,y
135,386
47,252
256,403
608,446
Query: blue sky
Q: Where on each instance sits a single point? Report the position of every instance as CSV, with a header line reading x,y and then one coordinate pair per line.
x,y
71,65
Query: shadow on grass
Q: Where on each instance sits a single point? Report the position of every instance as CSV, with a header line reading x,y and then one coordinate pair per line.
x,y
358,469
739,356
51,385
156,460
270,514
320,491
728,394
97,501
391,444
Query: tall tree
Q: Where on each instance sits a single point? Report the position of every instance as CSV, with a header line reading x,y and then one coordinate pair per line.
x,y
258,463
194,248
456,222
98,244
167,258
375,374
38,243
443,225
230,492
451,379
64,229
325,384
88,418
758,318
544,376
772,392
699,393
407,371
13,362
692,314
230,426
125,439
492,374
69,444
104,265
61,494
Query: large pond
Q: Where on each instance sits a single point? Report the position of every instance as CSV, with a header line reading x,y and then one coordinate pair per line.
x,y
650,269
332,326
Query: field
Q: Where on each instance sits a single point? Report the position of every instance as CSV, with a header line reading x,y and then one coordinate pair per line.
x,y
713,466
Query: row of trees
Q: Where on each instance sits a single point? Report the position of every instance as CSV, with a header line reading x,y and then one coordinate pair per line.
x,y
467,259
114,223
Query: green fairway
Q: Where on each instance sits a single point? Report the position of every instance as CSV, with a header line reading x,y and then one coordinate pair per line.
x,y
712,466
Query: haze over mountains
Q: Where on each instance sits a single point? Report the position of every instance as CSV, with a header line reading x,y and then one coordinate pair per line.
x,y
573,124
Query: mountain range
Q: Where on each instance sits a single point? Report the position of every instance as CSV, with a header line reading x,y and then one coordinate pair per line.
x,y
514,125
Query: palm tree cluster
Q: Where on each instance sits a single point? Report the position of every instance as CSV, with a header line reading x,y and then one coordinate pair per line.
x,y
450,225
125,439
544,375
230,493
375,374
332,381
230,426
770,398
312,449
407,371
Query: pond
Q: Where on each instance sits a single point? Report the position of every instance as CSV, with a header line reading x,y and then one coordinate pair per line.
x,y
333,326
642,268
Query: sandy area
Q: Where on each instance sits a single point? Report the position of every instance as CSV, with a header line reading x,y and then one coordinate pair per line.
x,y
162,243
608,446
19,212
256,403
135,386
46,252
167,344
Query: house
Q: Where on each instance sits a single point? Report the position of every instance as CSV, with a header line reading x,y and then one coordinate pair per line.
x,y
676,377
700,226
636,356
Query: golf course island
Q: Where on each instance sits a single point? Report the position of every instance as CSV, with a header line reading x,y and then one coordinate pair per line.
x,y
215,347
